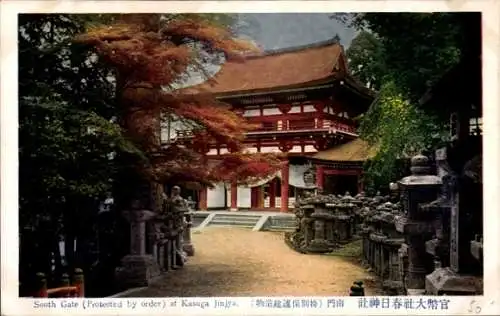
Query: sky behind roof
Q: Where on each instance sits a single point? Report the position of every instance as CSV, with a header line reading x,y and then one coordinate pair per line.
x,y
282,30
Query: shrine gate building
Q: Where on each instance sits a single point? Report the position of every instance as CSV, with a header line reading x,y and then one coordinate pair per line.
x,y
305,100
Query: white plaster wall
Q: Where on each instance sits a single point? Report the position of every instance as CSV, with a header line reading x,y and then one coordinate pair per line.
x,y
270,149
309,108
244,196
271,111
295,109
248,113
212,151
228,192
223,151
296,149
215,196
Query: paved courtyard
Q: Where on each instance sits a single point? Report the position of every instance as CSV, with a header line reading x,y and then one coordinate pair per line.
x,y
237,262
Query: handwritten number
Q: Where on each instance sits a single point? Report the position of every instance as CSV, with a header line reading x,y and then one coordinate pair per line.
x,y
474,307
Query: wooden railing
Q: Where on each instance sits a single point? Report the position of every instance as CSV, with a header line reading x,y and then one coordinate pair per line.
x,y
305,126
287,126
76,289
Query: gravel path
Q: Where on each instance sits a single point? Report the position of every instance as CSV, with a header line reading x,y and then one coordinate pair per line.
x,y
237,262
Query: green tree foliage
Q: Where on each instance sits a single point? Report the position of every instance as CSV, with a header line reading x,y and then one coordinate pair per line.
x,y
67,138
403,54
417,47
399,131
366,59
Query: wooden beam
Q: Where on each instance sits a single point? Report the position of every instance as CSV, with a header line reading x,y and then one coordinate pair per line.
x,y
342,172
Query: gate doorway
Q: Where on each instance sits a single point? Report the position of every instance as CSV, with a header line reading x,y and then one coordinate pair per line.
x,y
340,184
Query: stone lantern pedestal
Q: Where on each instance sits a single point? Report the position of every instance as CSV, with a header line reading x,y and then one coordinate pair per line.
x,y
138,268
344,220
331,236
419,188
319,244
308,223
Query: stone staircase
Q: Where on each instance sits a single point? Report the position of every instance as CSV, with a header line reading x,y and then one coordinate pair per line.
x,y
280,223
240,220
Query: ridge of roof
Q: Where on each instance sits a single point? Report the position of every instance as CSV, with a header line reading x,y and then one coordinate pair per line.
x,y
294,49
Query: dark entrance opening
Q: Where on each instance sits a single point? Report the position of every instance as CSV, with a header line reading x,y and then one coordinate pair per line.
x,y
340,184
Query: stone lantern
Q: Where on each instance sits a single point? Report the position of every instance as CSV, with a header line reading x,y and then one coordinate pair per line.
x,y
357,201
343,217
419,188
331,235
394,192
138,268
319,244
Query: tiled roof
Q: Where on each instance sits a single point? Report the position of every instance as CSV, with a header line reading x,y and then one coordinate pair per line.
x,y
356,150
276,69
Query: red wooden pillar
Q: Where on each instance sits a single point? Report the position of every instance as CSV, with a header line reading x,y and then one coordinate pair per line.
x,y
254,197
272,193
284,187
320,177
234,196
260,197
203,204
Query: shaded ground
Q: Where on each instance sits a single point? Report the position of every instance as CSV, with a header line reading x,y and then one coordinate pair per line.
x,y
237,262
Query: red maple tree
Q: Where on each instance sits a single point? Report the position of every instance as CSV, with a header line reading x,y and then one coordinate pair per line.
x,y
151,53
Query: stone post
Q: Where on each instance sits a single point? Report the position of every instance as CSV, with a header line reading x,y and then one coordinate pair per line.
x,y
330,224
403,266
307,222
138,268
476,249
179,208
417,189
365,231
188,245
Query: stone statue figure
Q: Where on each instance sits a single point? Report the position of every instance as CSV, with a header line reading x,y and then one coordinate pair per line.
x,y
175,195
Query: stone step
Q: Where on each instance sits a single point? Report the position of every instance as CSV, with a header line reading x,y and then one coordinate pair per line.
x,y
234,226
237,216
280,229
282,222
232,222
198,220
236,219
